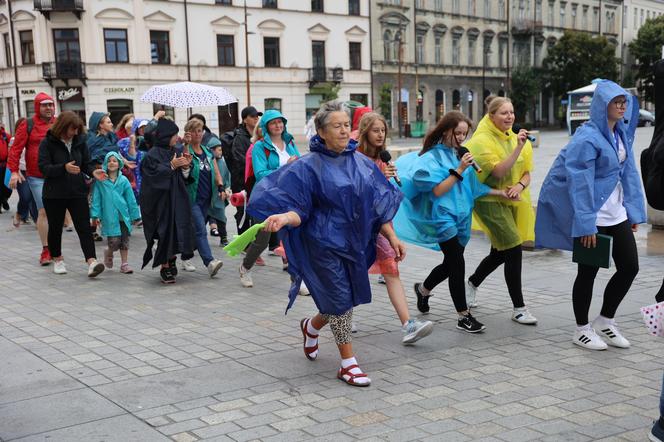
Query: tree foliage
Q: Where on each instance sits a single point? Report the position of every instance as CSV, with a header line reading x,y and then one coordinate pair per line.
x,y
525,87
577,59
385,101
647,49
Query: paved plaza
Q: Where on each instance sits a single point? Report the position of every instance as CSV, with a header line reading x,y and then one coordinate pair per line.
x,y
125,358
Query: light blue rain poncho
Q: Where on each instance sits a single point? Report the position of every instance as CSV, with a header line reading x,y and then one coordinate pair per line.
x,y
113,202
587,171
424,219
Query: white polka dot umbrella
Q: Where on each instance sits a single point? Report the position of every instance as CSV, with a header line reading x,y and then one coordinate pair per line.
x,y
187,94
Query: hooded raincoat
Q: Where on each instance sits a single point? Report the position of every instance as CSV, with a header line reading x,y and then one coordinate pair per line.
x,y
100,145
218,207
586,172
113,202
164,202
426,220
490,146
343,200
265,163
134,175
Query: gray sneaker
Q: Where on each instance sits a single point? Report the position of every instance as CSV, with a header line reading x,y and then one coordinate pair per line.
x,y
214,266
245,277
414,330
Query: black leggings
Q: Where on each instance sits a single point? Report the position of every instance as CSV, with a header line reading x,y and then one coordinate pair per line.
x,y
659,297
626,259
512,260
80,215
453,267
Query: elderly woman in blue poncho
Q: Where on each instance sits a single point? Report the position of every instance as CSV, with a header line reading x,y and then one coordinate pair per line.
x,y
329,207
594,187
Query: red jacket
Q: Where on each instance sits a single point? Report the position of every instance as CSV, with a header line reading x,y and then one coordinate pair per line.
x,y
4,146
31,144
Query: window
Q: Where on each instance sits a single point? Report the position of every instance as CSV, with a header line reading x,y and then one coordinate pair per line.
x,y
67,47
538,11
223,2
115,43
502,46
439,5
501,9
584,18
456,7
29,108
636,18
486,52
455,51
360,98
436,54
596,18
419,4
574,8
8,51
387,45
355,51
271,51
270,4
272,103
160,47
118,108
353,7
471,52
27,47
471,8
226,50
551,12
170,112
419,53
487,8
317,6
563,23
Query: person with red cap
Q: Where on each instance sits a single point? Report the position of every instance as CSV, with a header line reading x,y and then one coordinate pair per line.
x,y
28,136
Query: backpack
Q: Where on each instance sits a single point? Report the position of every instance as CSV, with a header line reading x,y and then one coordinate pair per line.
x,y
227,147
652,174
250,178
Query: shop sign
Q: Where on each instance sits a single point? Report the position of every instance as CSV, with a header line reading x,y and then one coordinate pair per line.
x,y
119,90
69,94
28,92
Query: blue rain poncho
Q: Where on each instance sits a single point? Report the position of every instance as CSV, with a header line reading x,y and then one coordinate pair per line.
x,y
424,219
343,200
586,172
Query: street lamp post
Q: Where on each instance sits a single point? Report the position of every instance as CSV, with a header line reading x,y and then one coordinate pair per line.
x,y
399,50
246,54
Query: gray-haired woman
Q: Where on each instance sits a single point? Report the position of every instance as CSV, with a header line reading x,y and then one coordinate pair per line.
x,y
335,204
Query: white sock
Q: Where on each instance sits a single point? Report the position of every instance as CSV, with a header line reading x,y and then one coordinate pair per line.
x,y
313,331
603,321
352,361
583,327
425,291
404,324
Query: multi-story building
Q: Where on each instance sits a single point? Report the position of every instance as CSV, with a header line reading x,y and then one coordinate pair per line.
x,y
453,53
102,55
636,13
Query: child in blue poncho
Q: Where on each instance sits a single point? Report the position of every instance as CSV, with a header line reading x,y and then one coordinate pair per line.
x,y
114,204
440,193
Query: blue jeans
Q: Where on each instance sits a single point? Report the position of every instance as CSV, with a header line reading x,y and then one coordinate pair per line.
x,y
36,187
198,218
26,204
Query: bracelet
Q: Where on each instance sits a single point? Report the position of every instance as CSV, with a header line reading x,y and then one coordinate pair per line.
x,y
456,174
522,185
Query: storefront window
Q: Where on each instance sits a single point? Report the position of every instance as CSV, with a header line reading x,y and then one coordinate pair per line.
x,y
273,103
118,108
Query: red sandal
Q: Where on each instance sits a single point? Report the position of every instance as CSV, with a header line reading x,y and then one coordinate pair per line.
x,y
351,377
308,350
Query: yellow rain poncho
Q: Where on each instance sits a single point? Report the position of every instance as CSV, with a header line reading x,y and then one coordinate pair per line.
x,y
507,223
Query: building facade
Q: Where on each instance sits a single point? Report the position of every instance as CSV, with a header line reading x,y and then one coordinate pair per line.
x,y
636,13
453,53
102,55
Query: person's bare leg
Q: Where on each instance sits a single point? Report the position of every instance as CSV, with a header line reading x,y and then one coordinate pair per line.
x,y
124,255
42,227
397,296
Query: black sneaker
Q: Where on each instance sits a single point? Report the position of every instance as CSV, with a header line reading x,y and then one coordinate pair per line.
x,y
5,205
422,301
214,232
223,241
167,276
469,324
172,265
97,237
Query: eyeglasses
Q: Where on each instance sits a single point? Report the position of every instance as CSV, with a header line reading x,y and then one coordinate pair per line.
x,y
620,103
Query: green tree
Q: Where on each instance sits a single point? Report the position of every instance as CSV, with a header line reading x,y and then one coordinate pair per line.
x,y
577,59
525,87
647,49
385,101
329,91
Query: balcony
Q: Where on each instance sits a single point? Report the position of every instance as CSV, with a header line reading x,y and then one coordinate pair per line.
x,y
325,75
523,26
48,6
63,70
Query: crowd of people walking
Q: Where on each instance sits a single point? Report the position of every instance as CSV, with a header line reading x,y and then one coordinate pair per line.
x,y
341,211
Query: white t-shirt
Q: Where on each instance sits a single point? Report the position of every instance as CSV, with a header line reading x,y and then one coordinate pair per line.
x,y
613,211
283,156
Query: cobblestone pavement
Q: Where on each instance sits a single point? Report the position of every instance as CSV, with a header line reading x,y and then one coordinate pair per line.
x,y
123,357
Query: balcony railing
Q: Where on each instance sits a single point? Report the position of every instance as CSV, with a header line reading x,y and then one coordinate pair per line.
x,y
64,70
525,26
48,6
323,75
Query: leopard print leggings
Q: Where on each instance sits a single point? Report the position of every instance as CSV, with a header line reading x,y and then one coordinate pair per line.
x,y
341,326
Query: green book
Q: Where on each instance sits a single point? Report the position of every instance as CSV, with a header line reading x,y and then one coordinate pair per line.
x,y
599,256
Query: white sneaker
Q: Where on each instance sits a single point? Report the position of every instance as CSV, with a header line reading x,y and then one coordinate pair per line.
x,y
59,268
381,279
523,316
610,333
245,277
471,293
304,290
353,327
187,266
214,266
95,268
415,330
587,338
